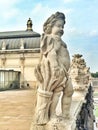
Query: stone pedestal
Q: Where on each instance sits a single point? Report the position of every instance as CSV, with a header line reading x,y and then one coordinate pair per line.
x,y
54,126
62,125
81,114
77,100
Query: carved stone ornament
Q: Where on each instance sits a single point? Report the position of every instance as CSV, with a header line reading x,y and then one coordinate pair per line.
x,y
79,72
52,73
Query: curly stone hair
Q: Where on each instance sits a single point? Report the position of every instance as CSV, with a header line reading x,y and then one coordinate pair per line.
x,y
51,21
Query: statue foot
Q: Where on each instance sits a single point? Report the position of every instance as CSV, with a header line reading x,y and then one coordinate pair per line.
x,y
55,119
60,119
65,117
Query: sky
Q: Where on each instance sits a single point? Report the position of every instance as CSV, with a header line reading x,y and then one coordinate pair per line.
x,y
80,31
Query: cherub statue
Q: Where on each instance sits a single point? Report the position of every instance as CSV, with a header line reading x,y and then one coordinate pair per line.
x,y
52,72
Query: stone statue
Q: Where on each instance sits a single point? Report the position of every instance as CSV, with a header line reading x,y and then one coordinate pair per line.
x,y
52,72
80,73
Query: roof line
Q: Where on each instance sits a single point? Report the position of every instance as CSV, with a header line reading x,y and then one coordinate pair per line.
x,y
19,36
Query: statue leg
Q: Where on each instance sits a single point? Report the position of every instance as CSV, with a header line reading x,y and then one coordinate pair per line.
x,y
66,99
55,99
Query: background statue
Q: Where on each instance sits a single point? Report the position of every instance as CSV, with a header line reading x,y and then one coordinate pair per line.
x,y
79,73
52,72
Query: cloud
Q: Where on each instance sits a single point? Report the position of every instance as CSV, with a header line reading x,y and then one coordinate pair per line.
x,y
40,13
37,8
93,33
69,1
8,9
13,14
74,33
46,10
7,4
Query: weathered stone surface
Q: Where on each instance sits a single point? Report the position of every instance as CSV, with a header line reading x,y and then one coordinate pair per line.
x,y
52,72
80,73
70,124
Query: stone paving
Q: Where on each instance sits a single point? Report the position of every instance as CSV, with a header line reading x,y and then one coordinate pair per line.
x,y
16,109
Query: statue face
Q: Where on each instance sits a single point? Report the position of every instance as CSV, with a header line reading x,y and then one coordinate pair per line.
x,y
57,29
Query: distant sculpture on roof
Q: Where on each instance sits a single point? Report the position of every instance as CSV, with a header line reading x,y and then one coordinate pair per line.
x,y
52,72
29,25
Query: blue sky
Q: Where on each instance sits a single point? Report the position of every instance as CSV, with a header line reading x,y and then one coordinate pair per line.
x,y
81,28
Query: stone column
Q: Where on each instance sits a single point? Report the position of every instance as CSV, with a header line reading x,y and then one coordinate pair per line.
x,y
22,65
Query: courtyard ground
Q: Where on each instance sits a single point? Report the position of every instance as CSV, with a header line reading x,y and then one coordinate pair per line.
x,y
16,109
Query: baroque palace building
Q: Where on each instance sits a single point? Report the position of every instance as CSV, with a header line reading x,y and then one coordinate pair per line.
x,y
19,53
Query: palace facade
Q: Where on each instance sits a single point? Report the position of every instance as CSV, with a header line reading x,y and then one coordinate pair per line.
x,y
19,54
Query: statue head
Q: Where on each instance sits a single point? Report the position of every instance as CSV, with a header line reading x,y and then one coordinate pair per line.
x,y
50,22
